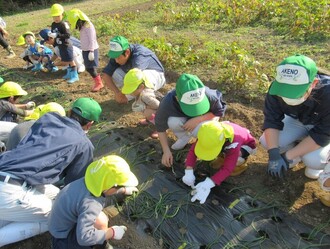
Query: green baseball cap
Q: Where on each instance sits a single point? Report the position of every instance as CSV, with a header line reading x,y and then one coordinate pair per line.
x,y
191,95
87,108
118,45
294,75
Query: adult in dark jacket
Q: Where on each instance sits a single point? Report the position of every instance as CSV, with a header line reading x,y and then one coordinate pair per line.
x,y
55,147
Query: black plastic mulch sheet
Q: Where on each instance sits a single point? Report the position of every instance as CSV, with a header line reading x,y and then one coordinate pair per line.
x,y
227,219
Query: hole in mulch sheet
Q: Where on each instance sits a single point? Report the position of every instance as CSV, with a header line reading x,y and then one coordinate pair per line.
x,y
277,219
306,236
148,230
238,217
262,234
199,215
252,204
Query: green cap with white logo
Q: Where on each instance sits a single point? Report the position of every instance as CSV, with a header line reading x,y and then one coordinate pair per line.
x,y
294,75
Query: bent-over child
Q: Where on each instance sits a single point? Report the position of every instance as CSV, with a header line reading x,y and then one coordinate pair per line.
x,y
138,85
79,205
214,139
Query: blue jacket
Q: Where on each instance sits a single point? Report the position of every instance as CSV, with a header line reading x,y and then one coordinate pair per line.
x,y
314,111
55,147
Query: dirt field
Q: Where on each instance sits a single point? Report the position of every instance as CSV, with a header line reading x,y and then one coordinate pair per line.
x,y
298,192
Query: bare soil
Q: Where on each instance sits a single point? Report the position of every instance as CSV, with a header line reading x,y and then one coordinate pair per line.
x,y
297,191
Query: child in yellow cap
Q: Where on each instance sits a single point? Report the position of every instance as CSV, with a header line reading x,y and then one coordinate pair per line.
x,y
9,109
214,139
10,92
60,33
138,85
35,53
79,205
21,129
89,46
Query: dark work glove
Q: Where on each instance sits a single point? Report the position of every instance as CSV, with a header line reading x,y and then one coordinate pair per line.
x,y
277,163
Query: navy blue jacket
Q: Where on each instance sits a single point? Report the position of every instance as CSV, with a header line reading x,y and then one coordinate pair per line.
x,y
314,111
55,147
170,107
141,57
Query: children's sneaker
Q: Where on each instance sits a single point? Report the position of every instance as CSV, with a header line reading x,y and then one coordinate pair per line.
x,y
312,173
27,66
37,67
54,69
181,143
73,76
239,169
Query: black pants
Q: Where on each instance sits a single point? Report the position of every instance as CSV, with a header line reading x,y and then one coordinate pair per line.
x,y
3,41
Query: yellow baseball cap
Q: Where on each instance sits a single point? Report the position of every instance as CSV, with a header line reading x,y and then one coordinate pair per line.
x,y
133,79
35,114
40,110
11,88
74,15
56,10
108,172
211,137
52,107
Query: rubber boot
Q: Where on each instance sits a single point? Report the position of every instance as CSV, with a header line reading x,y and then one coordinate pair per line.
x,y
68,73
37,67
11,53
73,76
98,85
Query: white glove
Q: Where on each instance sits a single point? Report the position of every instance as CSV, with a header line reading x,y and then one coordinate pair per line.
x,y
91,55
2,147
325,175
189,177
52,35
30,105
202,190
127,190
118,232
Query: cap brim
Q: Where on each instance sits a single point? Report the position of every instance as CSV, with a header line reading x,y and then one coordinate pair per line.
x,y
132,181
128,89
287,90
1,80
197,109
22,93
206,154
114,54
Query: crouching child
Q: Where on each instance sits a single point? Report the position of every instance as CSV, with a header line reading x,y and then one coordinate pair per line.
x,y
77,220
